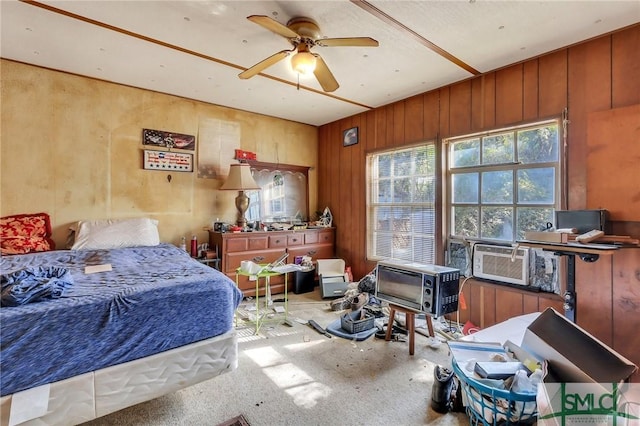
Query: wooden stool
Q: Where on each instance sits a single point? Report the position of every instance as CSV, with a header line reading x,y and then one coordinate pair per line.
x,y
410,321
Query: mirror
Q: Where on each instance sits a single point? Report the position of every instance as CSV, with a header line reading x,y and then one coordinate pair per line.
x,y
284,196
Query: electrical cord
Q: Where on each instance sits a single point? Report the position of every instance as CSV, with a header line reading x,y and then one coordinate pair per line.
x,y
458,311
470,245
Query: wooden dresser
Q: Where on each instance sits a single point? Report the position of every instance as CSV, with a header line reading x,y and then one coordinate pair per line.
x,y
267,247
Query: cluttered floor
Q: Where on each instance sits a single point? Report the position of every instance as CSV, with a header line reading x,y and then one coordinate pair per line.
x,y
355,316
357,321
359,317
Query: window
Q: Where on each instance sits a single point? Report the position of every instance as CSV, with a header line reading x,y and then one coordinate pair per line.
x,y
504,183
401,204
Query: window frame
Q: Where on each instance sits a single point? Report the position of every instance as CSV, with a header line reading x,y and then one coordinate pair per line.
x,y
558,165
432,204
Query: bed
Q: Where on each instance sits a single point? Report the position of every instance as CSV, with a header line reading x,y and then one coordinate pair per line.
x,y
140,322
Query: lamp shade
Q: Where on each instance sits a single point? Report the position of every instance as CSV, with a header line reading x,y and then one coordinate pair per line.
x,y
303,62
240,178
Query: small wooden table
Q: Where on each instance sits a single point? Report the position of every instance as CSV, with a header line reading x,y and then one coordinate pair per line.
x,y
410,320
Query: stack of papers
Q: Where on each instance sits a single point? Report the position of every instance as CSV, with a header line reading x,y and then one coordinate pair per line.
x,y
289,267
466,354
498,370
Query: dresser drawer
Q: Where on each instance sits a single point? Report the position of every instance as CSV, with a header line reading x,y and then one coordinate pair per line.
x,y
325,237
233,260
311,237
257,242
316,252
237,244
295,239
276,241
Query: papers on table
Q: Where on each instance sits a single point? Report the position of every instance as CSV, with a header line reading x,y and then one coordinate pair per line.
x,y
289,267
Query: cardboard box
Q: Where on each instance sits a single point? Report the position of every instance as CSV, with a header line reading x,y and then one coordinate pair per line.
x,y
578,369
572,354
547,237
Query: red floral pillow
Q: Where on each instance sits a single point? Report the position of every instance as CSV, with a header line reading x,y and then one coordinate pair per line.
x,y
26,233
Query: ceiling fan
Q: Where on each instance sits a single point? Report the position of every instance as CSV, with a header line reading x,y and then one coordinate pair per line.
x,y
303,33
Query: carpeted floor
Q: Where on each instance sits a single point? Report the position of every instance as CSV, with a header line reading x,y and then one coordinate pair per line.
x,y
236,421
295,376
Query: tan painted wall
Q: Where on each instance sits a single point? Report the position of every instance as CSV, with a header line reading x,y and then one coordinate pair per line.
x,y
72,147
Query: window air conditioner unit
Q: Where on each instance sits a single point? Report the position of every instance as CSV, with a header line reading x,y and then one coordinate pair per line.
x,y
500,263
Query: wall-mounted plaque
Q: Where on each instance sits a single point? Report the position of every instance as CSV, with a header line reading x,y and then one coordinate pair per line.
x,y
167,161
169,140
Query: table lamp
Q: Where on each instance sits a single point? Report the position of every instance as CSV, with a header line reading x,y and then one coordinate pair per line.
x,y
240,179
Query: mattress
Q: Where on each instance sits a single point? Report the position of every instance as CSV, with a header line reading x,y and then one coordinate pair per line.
x,y
154,299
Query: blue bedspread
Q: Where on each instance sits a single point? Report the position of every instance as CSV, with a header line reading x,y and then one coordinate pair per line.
x,y
31,285
153,300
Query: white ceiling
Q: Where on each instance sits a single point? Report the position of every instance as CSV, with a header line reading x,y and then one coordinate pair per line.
x,y
195,49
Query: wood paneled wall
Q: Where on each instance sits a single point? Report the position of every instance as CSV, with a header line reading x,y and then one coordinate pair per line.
x,y
597,75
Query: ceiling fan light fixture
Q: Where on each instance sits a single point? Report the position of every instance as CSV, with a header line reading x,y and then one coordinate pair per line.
x,y
303,63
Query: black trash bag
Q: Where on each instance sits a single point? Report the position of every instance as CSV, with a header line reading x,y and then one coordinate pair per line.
x,y
368,283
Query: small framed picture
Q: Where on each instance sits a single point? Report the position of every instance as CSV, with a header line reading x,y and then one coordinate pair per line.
x,y
350,136
169,140
167,161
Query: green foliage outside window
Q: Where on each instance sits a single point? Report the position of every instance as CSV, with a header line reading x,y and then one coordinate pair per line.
x,y
504,183
401,204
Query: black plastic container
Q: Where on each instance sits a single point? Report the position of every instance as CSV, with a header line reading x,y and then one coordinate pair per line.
x,y
304,281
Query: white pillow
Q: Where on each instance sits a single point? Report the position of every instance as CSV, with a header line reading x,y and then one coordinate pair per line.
x,y
116,233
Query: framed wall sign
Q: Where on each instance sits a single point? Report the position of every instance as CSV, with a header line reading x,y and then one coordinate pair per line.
x,y
167,161
350,136
169,140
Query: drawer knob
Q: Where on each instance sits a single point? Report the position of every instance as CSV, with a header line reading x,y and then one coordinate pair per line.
x,y
277,241
295,240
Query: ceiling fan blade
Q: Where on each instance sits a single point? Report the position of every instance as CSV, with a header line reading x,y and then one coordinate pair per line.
x,y
273,25
324,75
264,64
349,41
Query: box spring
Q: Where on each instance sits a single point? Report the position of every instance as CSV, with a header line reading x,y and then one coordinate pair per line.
x,y
95,394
